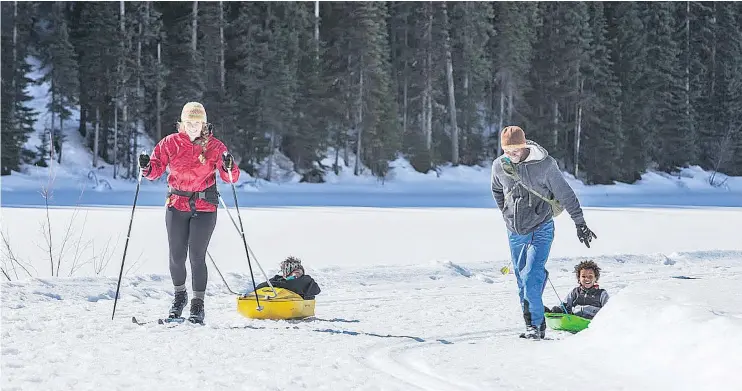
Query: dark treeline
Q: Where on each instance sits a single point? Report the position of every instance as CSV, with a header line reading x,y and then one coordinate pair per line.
x,y
610,89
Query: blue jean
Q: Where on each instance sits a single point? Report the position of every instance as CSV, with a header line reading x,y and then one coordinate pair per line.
x,y
529,254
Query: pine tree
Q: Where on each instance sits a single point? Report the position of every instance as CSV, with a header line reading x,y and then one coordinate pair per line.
x,y
556,78
601,138
377,124
727,94
630,53
512,46
17,119
472,28
60,60
95,39
664,133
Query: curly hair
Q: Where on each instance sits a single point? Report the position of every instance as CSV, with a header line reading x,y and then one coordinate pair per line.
x,y
589,265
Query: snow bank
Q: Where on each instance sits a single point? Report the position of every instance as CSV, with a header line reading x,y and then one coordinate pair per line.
x,y
678,327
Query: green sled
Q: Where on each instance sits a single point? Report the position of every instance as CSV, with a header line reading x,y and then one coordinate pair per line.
x,y
566,322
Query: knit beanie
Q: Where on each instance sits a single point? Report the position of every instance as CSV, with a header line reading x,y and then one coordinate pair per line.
x,y
193,111
513,137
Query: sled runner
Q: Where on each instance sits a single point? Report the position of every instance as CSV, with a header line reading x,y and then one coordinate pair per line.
x,y
285,305
566,322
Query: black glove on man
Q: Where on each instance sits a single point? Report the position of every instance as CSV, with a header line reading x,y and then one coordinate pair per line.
x,y
585,235
143,160
228,161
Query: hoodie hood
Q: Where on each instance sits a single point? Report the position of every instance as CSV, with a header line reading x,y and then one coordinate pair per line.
x,y
537,154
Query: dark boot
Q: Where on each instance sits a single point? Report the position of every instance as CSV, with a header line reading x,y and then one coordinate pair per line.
x,y
532,332
179,302
197,311
543,330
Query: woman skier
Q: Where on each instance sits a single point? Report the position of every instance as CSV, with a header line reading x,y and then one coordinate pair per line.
x,y
192,154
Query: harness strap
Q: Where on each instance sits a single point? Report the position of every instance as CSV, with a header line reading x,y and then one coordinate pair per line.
x,y
210,195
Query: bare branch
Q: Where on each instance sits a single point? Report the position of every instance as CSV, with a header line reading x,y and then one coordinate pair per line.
x,y
8,255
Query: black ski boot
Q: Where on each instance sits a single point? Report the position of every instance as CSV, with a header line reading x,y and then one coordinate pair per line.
x,y
197,311
532,332
543,330
179,302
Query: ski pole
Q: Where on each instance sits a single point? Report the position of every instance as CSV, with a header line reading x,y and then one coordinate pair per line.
x,y
242,233
220,273
126,246
254,257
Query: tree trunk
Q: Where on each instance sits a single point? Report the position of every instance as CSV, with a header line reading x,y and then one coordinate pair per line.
x,y
61,141
95,141
52,112
335,167
194,30
15,60
427,94
138,104
158,98
128,132
578,133
348,116
222,70
687,67
271,156
405,79
555,122
115,138
316,30
451,91
713,52
121,83
502,118
359,123
578,123
511,105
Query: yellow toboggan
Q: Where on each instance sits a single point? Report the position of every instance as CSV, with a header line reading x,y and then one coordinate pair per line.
x,y
275,303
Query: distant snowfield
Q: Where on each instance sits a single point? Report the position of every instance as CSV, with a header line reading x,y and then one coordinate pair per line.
x,y
411,299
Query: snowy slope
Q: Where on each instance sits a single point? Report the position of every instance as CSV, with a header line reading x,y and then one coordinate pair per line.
x,y
420,306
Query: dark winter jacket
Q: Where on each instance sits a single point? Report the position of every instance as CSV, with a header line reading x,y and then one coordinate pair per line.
x,y
304,286
187,172
584,302
522,210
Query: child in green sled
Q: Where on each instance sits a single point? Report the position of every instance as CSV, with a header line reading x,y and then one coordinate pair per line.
x,y
586,299
292,277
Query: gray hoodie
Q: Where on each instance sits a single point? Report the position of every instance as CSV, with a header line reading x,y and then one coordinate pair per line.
x,y
522,210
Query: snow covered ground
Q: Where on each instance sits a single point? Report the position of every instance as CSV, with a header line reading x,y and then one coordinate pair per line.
x,y
411,299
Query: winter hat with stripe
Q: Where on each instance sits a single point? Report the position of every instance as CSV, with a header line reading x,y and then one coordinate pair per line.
x,y
193,111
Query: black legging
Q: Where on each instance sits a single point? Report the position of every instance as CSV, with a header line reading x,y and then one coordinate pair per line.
x,y
189,235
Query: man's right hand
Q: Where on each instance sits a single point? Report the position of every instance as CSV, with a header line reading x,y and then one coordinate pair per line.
x,y
143,160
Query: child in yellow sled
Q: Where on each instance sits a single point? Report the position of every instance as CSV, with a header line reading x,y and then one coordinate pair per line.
x,y
292,277
588,298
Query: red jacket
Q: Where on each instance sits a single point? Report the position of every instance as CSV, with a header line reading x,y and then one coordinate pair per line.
x,y
187,172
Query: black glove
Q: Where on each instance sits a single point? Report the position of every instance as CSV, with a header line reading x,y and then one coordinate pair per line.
x,y
557,310
143,160
585,235
547,310
228,161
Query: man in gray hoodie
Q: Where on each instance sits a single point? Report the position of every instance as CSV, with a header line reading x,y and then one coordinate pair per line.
x,y
530,191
